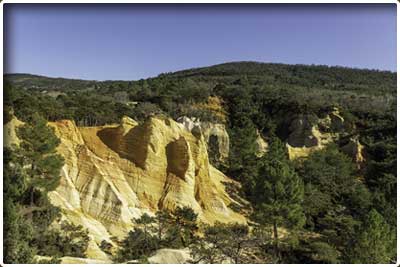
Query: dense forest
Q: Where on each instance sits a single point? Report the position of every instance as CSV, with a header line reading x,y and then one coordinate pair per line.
x,y
333,211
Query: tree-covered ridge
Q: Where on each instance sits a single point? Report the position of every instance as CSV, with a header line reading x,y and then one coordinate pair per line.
x,y
38,82
332,210
334,77
273,87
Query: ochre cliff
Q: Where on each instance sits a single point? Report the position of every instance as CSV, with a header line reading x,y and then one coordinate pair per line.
x,y
215,135
309,133
10,132
115,173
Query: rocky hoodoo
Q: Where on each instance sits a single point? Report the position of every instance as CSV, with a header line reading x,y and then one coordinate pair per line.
x,y
309,133
115,173
262,145
215,135
354,149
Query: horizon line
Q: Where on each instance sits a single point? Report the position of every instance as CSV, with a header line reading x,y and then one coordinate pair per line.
x,y
208,66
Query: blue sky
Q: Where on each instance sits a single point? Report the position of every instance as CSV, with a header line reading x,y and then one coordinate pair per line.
x,y
131,42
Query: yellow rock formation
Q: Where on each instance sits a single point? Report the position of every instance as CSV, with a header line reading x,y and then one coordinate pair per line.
x,y
216,106
215,135
9,132
115,173
262,145
310,133
355,150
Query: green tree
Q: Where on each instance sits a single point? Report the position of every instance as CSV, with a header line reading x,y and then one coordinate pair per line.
x,y
223,243
236,240
207,249
69,240
163,221
324,253
136,246
145,223
17,236
17,232
185,223
375,241
278,192
335,200
38,150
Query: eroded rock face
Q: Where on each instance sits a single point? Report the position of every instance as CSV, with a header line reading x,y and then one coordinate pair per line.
x,y
115,173
215,135
10,137
262,145
355,150
309,133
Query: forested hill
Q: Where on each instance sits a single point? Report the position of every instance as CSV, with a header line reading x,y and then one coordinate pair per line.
x,y
336,198
339,78
358,91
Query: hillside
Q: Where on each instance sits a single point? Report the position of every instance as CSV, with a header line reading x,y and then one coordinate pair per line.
x,y
315,75
271,162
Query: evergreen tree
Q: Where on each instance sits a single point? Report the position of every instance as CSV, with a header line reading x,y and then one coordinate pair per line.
x,y
38,150
163,220
145,223
278,192
222,243
375,242
17,232
136,245
243,135
185,223
335,201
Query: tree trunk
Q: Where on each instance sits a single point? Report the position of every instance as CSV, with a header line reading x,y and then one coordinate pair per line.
x,y
276,248
31,203
159,232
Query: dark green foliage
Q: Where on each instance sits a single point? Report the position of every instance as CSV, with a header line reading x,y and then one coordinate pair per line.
x,y
106,247
375,241
335,200
52,260
136,245
185,223
235,240
324,253
32,170
243,135
70,240
8,99
145,224
330,179
224,243
163,221
38,150
338,198
17,235
316,251
278,192
172,230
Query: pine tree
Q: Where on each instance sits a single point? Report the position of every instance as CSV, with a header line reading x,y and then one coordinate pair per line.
x,y
243,136
185,221
163,220
17,233
145,222
222,242
38,150
278,192
375,242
